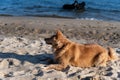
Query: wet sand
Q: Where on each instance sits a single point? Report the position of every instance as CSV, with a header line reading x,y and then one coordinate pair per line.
x,y
24,54
104,33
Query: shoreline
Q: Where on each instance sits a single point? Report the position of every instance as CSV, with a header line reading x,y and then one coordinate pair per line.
x,y
59,17
84,31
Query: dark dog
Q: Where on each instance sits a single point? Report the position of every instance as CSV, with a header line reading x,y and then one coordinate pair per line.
x,y
75,5
80,6
69,6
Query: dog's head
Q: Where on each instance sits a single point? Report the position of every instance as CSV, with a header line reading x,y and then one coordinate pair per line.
x,y
56,40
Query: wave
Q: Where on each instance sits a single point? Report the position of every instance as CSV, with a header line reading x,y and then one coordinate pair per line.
x,y
102,9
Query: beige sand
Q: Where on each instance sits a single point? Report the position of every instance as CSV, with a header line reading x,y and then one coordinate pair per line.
x,y
24,54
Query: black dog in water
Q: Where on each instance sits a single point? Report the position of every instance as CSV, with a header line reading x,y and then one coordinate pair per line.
x,y
70,6
80,6
75,5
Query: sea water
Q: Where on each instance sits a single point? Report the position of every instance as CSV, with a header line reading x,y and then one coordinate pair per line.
x,y
94,9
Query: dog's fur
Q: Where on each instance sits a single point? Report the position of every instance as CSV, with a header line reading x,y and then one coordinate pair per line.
x,y
68,6
68,53
75,5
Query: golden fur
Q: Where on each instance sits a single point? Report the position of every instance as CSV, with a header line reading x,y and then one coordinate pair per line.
x,y
67,53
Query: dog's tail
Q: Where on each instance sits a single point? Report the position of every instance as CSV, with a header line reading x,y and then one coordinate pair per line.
x,y
112,55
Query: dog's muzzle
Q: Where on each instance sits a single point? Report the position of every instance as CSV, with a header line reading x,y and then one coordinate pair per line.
x,y
48,41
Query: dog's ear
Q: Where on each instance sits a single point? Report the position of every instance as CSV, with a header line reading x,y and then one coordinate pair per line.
x,y
59,34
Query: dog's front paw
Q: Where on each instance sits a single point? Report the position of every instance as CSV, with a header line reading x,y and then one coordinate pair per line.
x,y
55,67
49,67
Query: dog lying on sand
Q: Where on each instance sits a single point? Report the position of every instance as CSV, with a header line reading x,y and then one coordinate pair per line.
x,y
68,53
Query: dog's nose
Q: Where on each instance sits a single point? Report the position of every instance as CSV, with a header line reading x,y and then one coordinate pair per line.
x,y
46,39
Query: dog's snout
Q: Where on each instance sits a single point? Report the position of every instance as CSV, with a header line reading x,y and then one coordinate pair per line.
x,y
47,40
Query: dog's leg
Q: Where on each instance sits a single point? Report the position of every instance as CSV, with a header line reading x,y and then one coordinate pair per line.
x,y
101,60
63,63
61,66
58,67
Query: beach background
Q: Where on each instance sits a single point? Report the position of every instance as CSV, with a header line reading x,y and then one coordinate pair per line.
x,y
95,9
24,24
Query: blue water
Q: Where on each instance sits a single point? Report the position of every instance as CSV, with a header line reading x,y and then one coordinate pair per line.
x,y
95,9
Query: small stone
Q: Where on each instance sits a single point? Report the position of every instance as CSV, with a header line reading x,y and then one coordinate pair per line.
x,y
111,74
4,64
118,50
118,74
96,77
2,75
39,78
10,74
21,51
24,77
37,72
109,69
16,62
26,63
88,78
18,73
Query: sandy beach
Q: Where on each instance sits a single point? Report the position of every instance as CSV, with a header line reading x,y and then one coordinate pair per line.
x,y
24,53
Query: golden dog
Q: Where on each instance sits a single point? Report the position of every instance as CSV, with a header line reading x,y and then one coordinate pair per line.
x,y
68,53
